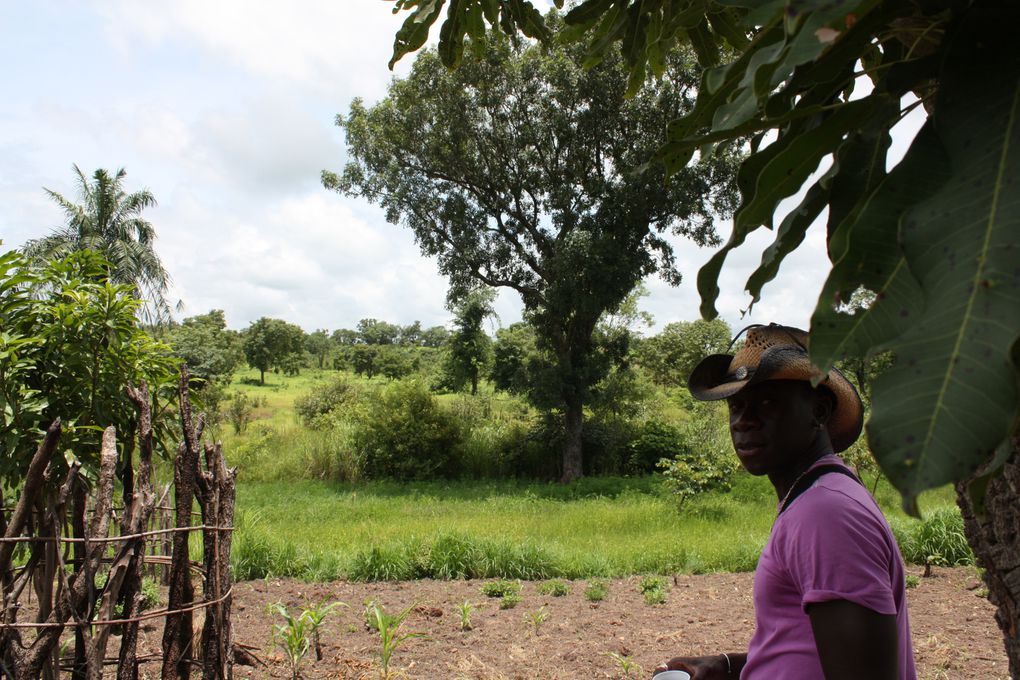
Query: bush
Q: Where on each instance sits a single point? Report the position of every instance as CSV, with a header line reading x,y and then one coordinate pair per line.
x,y
556,588
501,588
704,460
596,590
339,392
405,435
938,540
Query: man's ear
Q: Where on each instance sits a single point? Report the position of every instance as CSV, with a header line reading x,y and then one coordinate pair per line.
x,y
825,404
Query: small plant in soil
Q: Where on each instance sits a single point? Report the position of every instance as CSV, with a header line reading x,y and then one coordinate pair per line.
x,y
555,587
501,588
629,669
390,638
596,590
465,610
536,618
314,617
912,581
653,589
509,601
291,637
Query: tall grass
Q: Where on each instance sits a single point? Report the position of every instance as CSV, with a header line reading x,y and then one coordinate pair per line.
x,y
599,527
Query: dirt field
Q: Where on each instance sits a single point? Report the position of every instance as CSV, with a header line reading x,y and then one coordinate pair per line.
x,y
954,633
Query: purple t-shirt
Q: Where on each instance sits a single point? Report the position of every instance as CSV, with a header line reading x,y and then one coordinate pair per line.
x,y
833,543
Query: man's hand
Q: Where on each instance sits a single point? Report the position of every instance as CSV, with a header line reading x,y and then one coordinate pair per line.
x,y
706,667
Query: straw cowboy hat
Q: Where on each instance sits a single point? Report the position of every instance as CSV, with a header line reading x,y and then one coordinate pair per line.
x,y
777,352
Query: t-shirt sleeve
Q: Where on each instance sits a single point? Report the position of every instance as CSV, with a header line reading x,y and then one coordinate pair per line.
x,y
835,549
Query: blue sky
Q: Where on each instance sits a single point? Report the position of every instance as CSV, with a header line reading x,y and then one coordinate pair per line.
x,y
225,110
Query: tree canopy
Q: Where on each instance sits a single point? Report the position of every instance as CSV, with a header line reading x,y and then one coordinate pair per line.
x,y
109,220
211,351
272,343
517,171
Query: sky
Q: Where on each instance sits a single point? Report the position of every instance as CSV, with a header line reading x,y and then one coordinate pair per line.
x,y
225,111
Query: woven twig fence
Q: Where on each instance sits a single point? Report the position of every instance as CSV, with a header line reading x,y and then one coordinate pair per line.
x,y
65,554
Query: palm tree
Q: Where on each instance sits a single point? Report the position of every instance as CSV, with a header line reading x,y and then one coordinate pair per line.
x,y
108,220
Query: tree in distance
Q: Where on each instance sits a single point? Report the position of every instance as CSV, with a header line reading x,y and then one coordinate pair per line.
x,y
318,344
670,356
109,220
270,343
210,350
469,349
517,171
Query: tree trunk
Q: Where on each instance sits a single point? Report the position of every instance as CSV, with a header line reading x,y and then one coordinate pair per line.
x,y
262,376
573,455
993,531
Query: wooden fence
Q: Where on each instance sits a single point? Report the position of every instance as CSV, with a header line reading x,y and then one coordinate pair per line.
x,y
81,571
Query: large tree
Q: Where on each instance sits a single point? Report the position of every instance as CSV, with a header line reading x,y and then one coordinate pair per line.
x,y
670,356
271,343
518,170
109,220
935,236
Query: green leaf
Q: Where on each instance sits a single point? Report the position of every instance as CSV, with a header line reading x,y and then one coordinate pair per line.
x,y
788,170
951,396
415,30
873,260
789,235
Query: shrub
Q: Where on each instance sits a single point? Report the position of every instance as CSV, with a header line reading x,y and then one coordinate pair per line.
x,y
556,588
704,460
405,435
239,411
653,589
938,540
339,392
501,588
596,590
509,601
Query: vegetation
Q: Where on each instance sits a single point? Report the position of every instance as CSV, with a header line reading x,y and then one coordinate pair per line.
x,y
556,588
211,351
390,637
69,343
108,221
596,590
272,343
559,218
654,590
933,235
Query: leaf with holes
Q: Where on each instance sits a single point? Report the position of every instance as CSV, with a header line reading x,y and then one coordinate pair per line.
x,y
951,397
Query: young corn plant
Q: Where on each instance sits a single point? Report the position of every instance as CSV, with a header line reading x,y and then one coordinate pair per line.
x,y
291,637
314,616
390,637
465,610
536,618
629,669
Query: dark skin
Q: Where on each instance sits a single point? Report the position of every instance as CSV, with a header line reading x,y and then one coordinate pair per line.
x,y
778,430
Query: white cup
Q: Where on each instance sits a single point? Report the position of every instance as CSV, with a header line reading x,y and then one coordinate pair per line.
x,y
672,675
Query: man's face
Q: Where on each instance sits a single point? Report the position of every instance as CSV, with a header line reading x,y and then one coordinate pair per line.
x,y
773,424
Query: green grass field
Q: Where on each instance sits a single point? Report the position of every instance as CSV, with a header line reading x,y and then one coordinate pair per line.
x,y
318,530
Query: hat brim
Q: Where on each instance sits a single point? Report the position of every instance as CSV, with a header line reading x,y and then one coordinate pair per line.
x,y
708,382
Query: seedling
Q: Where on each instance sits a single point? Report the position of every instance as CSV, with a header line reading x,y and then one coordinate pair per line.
x,y
509,601
314,617
465,610
556,588
390,638
596,591
500,588
912,581
291,637
628,667
536,618
653,589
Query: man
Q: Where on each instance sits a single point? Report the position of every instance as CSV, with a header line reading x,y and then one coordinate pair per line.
x,y
829,590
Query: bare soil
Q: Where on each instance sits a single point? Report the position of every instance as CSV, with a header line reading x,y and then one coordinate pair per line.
x,y
954,631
